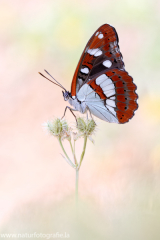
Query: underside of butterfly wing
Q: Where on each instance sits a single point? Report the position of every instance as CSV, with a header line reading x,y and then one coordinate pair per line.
x,y
111,96
101,53
101,81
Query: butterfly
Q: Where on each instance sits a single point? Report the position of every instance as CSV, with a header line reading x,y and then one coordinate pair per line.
x,y
101,85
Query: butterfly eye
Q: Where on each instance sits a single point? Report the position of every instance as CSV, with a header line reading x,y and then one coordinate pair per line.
x,y
66,95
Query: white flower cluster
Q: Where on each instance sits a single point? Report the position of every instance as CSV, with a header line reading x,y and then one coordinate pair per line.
x,y
60,129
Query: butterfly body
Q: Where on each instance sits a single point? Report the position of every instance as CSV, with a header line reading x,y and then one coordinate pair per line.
x,y
78,105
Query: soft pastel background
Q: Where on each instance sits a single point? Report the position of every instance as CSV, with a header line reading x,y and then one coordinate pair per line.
x,y
119,183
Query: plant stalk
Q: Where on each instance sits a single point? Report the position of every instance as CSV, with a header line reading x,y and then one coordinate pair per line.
x,y
77,177
84,149
73,152
65,153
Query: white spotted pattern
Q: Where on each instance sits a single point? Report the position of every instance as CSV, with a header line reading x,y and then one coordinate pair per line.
x,y
89,100
100,36
107,63
79,84
110,103
106,84
108,87
85,70
96,33
113,98
110,93
101,79
84,91
98,53
95,51
111,109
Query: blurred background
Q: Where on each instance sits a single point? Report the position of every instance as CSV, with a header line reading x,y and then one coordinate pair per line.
x,y
119,182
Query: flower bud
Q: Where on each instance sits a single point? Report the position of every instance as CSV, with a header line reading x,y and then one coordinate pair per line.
x,y
86,127
91,125
57,127
81,125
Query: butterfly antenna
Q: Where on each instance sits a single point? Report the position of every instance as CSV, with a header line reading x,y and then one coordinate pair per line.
x,y
51,81
54,79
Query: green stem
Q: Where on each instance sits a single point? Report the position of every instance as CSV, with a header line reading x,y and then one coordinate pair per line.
x,y
74,145
73,152
77,169
84,149
65,153
77,175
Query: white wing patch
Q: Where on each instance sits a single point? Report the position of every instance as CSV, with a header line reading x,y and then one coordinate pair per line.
x,y
98,53
110,103
110,93
99,110
106,84
108,87
83,92
95,52
113,98
79,83
111,110
100,36
85,70
95,104
101,79
107,63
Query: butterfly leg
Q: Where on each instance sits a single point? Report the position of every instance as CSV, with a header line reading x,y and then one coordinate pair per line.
x,y
90,114
71,109
87,114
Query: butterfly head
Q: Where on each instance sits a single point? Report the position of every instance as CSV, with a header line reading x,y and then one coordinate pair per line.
x,y
66,95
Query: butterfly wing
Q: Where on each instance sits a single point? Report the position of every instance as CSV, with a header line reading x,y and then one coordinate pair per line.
x,y
110,96
101,52
100,77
